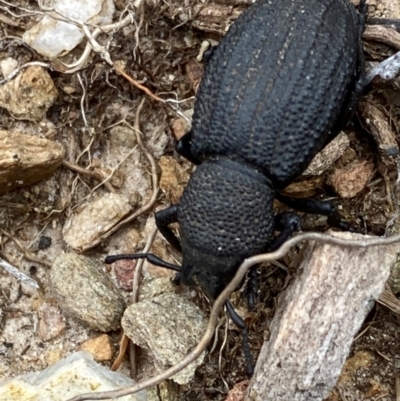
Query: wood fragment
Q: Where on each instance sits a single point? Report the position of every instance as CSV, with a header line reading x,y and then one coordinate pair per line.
x,y
383,34
378,125
328,155
397,386
389,300
316,320
26,160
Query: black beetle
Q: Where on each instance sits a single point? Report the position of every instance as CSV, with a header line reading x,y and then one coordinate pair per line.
x,y
280,85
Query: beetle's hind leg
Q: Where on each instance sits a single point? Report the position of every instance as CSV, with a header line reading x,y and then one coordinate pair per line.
x,y
240,324
314,206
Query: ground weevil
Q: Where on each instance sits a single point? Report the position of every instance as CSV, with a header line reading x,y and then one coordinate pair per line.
x,y
280,85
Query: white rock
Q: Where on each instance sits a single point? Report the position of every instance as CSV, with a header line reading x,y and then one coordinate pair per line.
x,y
8,65
74,375
52,38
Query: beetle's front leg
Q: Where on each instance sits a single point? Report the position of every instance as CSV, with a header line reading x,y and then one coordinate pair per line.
x,y
163,219
184,148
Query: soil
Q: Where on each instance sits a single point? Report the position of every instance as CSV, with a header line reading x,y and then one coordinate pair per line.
x,y
160,51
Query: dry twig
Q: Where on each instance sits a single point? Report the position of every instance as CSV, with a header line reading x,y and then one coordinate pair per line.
x,y
89,173
25,252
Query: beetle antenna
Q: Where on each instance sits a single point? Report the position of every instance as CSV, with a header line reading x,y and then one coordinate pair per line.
x,y
153,259
239,323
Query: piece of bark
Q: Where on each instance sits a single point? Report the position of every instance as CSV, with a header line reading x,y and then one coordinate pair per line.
x,y
316,320
216,17
328,155
26,160
383,34
378,125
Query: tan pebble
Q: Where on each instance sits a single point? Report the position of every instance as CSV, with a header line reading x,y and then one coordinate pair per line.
x,y
100,347
352,179
53,356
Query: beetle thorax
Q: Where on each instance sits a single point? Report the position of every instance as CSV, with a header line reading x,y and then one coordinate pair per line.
x,y
226,209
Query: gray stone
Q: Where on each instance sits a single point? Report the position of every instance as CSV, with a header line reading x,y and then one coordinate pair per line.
x,y
85,292
169,326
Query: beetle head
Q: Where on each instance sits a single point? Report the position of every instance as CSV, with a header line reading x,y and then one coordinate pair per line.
x,y
211,273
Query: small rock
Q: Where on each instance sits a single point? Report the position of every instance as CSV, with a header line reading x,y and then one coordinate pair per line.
x,y
165,391
53,38
52,356
95,219
169,326
85,292
51,322
29,95
44,242
100,347
74,375
238,392
328,155
123,136
173,178
155,287
352,179
26,160
8,65
124,270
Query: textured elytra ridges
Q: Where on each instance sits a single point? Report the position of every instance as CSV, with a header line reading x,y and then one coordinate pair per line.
x,y
277,84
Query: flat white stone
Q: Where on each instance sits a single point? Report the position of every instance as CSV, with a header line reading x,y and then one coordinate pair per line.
x,y
71,376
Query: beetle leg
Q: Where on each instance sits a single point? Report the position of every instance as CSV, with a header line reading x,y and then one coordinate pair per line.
x,y
240,324
287,223
183,147
163,219
313,206
251,289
